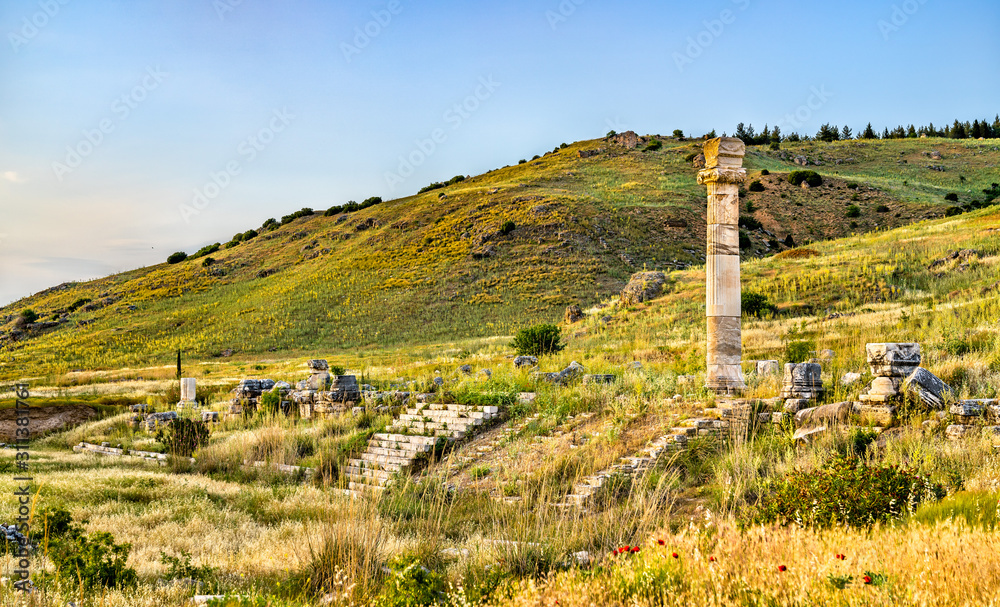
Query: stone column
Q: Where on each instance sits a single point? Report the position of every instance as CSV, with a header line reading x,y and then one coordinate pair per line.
x,y
188,390
723,175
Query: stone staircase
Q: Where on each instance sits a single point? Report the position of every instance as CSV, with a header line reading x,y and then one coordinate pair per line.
x,y
634,466
411,436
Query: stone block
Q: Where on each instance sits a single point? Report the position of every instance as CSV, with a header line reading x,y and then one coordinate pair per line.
x,y
928,388
525,361
794,405
318,365
805,436
767,367
893,359
967,409
959,431
802,381
849,379
837,413
875,415
599,379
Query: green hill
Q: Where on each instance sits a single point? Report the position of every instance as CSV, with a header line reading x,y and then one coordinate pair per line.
x,y
483,256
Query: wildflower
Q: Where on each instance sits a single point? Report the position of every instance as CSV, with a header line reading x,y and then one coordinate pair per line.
x,y
711,559
675,555
867,579
782,568
661,542
635,549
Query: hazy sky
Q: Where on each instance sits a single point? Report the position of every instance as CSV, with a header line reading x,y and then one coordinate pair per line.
x,y
132,129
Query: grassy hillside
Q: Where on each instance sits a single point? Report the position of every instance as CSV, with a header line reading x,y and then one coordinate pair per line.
x,y
438,266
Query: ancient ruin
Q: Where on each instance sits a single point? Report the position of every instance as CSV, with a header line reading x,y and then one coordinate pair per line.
x,y
722,176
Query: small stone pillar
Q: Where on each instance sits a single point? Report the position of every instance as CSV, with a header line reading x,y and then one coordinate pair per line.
x,y
722,176
188,391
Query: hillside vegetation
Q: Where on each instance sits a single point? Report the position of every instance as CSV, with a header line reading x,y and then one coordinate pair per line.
x,y
483,256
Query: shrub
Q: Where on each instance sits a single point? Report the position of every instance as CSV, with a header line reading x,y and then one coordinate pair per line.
x,y
76,305
91,562
207,249
177,257
334,210
678,133
845,491
690,157
882,209
765,172
755,304
183,436
410,584
956,346
653,145
853,211
750,223
563,146
180,568
852,186
207,262
952,211
811,177
756,186
951,197
507,227
750,207
270,224
535,157
797,351
538,340
745,242
28,316
522,161
270,401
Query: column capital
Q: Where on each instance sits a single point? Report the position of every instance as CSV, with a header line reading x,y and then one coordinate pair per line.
x,y
722,175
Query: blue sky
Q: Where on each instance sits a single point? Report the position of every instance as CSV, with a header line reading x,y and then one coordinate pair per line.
x,y
116,116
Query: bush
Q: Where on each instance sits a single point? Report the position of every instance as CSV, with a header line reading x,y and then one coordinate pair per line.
x,y
76,305
180,568
765,172
845,491
208,249
853,211
177,257
678,133
745,242
756,186
881,209
270,401
750,207
951,197
690,157
410,584
952,211
956,346
522,161
538,340
28,316
811,177
653,145
798,351
207,262
183,436
91,562
270,224
507,227
750,223
755,304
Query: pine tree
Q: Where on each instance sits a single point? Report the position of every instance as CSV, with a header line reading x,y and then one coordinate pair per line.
x,y
741,132
911,132
869,132
931,131
765,136
958,131
885,133
899,132
977,131
776,135
846,133
996,126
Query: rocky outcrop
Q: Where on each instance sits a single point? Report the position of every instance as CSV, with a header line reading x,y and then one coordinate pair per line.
x,y
643,286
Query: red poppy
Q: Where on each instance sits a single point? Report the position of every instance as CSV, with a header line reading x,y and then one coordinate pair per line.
x,y
675,555
635,549
711,559
868,579
661,542
782,568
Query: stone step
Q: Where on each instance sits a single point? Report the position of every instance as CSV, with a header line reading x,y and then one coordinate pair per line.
x,y
406,438
386,459
400,446
448,435
353,471
399,453
685,431
577,499
424,426
373,465
466,421
364,488
584,489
